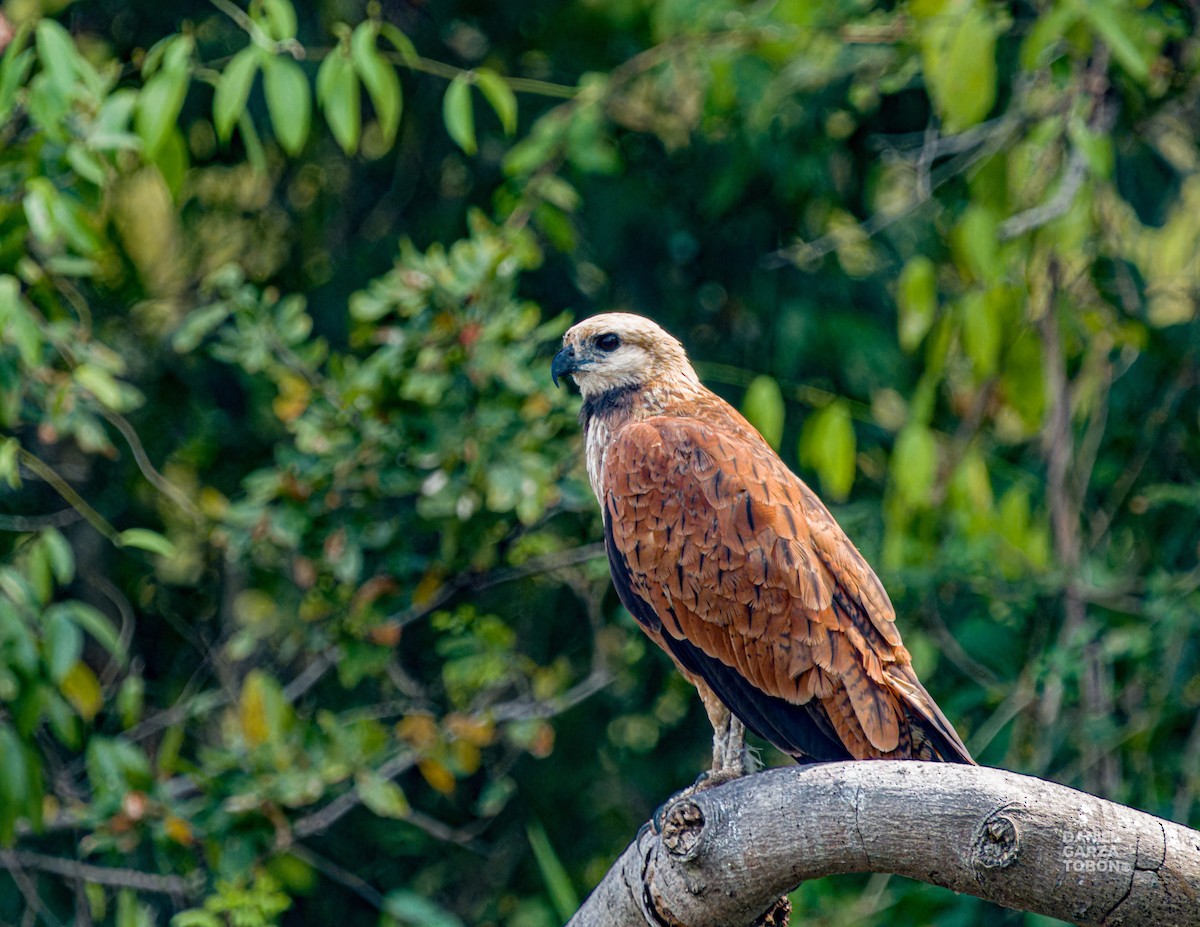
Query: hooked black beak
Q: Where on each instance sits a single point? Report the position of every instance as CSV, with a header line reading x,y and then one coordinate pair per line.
x,y
563,364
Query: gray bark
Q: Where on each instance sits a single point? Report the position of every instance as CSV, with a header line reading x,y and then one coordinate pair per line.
x,y
727,853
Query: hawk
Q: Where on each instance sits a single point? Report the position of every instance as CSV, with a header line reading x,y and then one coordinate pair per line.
x,y
734,567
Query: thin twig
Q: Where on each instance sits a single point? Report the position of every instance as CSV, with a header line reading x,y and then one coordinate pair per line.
x,y
534,566
64,489
59,519
160,482
1058,205
15,860
808,252
29,892
332,870
324,818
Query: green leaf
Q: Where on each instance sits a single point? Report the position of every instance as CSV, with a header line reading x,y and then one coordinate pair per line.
x,y
458,114
161,99
109,392
500,96
57,55
382,796
14,781
1114,25
413,910
981,333
288,101
196,917
974,242
764,409
10,470
399,41
914,464
916,296
828,445
233,90
95,623
39,193
15,65
197,326
58,551
554,876
145,539
62,645
959,55
338,96
281,19
379,77
17,326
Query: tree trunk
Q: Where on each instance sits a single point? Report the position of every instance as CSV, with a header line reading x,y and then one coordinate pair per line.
x,y
726,854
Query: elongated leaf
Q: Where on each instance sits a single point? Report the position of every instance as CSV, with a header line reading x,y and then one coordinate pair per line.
x,y
14,68
56,52
914,464
81,689
281,19
981,333
554,875
158,107
828,445
959,55
63,645
10,471
399,41
916,297
233,90
764,409
94,622
500,96
338,96
1115,26
379,77
382,796
410,909
459,115
288,101
145,539
14,781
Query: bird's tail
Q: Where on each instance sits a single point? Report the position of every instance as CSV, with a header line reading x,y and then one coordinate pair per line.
x,y
933,737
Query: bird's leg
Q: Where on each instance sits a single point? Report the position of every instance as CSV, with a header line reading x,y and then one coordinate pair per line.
x,y
730,760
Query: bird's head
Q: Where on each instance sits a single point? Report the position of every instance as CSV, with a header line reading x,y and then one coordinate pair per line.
x,y
619,350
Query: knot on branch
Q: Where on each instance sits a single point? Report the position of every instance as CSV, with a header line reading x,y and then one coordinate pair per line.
x,y
683,829
996,843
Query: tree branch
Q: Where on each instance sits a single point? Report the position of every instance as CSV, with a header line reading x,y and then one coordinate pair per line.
x,y
727,853
16,860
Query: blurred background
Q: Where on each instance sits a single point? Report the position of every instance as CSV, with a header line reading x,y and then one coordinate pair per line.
x,y
303,614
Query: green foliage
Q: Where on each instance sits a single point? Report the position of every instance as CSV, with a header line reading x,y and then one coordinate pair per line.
x,y
300,603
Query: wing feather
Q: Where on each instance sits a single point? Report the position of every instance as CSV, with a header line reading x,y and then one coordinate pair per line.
x,y
735,568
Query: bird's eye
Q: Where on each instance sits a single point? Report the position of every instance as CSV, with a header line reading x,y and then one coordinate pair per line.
x,y
608,342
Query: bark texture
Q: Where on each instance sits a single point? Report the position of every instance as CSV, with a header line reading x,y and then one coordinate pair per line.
x,y
726,854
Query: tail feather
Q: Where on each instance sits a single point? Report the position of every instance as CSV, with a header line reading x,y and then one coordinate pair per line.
x,y
933,736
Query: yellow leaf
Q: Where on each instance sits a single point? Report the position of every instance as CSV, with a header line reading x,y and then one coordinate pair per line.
x,y
81,688
479,732
419,730
466,756
252,711
294,396
437,775
178,830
